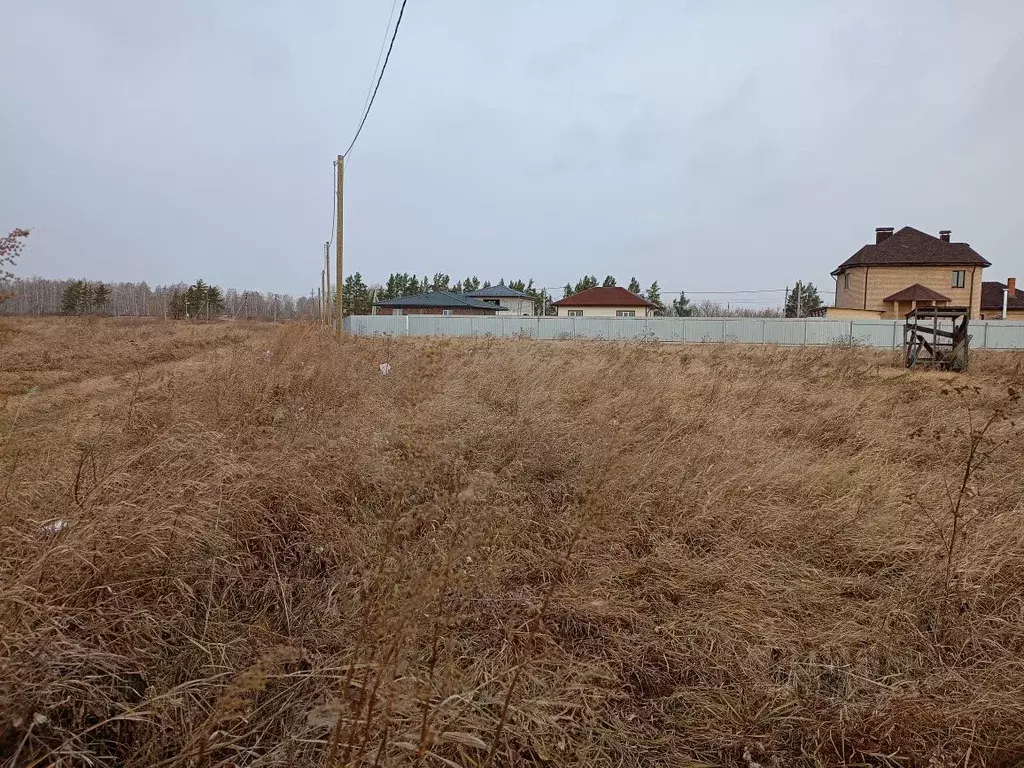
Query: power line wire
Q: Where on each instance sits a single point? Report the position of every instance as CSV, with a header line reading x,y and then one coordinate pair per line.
x,y
380,53
380,77
334,208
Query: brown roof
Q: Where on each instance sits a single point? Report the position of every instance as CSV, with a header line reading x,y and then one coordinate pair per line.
x,y
992,297
911,247
916,292
614,296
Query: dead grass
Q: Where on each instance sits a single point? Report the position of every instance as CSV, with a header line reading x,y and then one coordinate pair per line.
x,y
504,553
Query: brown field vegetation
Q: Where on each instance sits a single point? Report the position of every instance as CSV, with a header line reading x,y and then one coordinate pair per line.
x,y
242,545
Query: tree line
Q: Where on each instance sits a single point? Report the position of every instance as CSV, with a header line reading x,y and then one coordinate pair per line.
x,y
43,296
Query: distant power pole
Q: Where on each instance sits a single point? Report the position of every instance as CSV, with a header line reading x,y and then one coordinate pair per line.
x,y
340,235
799,290
327,284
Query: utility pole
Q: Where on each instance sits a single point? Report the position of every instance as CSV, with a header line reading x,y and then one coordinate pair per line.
x,y
340,235
327,284
799,290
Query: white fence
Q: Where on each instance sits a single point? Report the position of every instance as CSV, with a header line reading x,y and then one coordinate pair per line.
x,y
985,334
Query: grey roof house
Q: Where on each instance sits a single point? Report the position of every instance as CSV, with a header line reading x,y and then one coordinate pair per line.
x,y
435,303
516,302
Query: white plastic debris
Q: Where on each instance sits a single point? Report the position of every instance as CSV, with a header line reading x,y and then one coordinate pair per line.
x,y
54,526
385,369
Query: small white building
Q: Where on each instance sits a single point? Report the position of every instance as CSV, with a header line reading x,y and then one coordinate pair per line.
x,y
515,302
604,302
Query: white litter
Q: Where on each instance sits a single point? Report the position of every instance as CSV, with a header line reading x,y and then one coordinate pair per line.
x,y
385,369
54,526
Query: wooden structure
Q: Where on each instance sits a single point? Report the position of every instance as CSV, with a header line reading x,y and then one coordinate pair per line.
x,y
927,345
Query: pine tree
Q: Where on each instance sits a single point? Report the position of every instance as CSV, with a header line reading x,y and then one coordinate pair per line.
x,y
77,298
356,296
809,300
99,296
634,286
681,306
654,296
609,282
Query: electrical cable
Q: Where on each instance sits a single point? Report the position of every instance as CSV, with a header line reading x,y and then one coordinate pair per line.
x,y
380,77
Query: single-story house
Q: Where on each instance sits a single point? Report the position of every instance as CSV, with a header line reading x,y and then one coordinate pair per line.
x,y
992,300
435,303
613,301
906,269
516,302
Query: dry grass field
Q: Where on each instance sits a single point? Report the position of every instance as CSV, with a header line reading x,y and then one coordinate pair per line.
x,y
225,545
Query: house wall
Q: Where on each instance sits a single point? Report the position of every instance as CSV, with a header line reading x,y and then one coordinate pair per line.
x,y
843,313
604,311
518,306
435,311
885,281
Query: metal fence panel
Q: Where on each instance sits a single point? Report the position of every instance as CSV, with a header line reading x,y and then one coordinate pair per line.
x,y
874,333
999,334
985,334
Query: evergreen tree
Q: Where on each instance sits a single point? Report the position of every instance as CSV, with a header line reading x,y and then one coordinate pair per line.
x,y
609,282
585,284
809,300
567,291
77,298
356,296
100,296
634,286
654,296
471,284
441,282
681,306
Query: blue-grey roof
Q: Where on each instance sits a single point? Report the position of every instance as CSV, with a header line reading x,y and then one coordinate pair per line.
x,y
498,292
440,300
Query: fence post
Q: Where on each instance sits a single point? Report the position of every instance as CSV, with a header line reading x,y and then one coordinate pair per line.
x,y
851,331
894,324
723,329
984,336
764,331
805,331
406,325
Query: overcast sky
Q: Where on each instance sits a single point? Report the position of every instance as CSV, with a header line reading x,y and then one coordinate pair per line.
x,y
709,145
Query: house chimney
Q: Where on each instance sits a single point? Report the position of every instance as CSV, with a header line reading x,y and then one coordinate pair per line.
x,y
1011,286
944,235
882,233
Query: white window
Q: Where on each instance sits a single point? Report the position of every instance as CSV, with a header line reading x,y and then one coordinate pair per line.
x,y
846,281
625,313
959,278
447,312
575,313
396,311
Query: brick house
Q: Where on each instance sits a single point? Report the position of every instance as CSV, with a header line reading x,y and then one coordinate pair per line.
x,y
992,294
435,303
613,301
906,269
